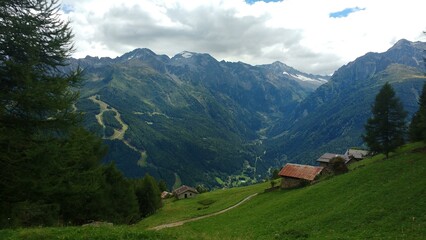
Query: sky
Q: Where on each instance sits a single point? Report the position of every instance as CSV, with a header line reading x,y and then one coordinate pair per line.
x,y
314,36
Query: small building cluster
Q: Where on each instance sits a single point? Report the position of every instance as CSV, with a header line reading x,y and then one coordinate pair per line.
x,y
350,156
297,175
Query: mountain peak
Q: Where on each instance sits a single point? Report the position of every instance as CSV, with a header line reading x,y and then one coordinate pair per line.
x,y
401,43
138,53
187,57
186,54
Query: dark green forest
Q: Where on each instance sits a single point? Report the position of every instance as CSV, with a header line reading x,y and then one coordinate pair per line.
x,y
50,166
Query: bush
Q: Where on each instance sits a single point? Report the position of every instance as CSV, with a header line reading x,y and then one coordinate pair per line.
x,y
338,165
33,214
206,202
201,188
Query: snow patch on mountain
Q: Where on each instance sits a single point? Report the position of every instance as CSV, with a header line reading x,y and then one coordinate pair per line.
x,y
186,54
305,78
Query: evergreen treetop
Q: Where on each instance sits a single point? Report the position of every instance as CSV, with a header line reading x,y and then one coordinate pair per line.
x,y
417,128
50,170
385,130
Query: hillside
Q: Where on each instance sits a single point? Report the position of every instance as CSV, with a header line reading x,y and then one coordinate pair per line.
x,y
378,199
333,117
194,120
189,118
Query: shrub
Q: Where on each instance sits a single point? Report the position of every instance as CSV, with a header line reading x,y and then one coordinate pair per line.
x,y
34,214
338,165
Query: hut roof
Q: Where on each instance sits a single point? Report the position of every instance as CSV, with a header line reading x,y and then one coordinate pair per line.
x,y
300,171
183,189
165,194
357,153
326,157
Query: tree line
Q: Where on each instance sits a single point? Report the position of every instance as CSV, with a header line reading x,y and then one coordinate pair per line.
x,y
50,167
386,129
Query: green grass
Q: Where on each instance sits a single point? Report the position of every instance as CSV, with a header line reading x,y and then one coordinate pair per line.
x,y
174,210
378,199
83,233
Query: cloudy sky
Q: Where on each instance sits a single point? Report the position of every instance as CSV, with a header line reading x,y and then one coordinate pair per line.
x,y
315,36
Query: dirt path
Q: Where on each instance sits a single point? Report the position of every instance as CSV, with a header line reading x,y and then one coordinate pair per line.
x,y
118,133
180,223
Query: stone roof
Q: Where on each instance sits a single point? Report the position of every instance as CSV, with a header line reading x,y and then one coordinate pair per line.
x,y
165,194
357,153
183,189
300,171
326,157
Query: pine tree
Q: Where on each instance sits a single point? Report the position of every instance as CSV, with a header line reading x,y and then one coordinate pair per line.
x,y
417,128
122,204
386,128
162,185
49,167
148,194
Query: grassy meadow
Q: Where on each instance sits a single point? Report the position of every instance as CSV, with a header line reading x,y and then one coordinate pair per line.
x,y
378,199
203,204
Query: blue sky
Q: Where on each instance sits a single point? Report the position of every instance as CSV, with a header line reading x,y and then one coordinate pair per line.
x,y
67,8
345,12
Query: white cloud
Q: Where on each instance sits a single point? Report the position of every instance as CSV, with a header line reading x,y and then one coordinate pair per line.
x,y
300,33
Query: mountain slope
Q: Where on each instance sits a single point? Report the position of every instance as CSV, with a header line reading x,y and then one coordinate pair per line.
x,y
332,118
378,199
189,118
196,120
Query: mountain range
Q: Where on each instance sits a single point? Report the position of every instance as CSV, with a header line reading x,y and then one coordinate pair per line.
x,y
332,118
194,120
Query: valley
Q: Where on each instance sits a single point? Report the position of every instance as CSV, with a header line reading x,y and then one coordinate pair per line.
x,y
228,124
181,120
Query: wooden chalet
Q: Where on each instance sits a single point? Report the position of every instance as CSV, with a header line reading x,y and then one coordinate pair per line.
x,y
297,175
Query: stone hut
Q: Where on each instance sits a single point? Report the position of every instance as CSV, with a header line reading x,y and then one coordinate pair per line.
x,y
324,160
296,175
185,192
356,154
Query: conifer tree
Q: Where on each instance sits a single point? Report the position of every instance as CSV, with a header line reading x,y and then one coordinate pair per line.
x,y
48,164
121,202
35,98
386,128
148,194
417,128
